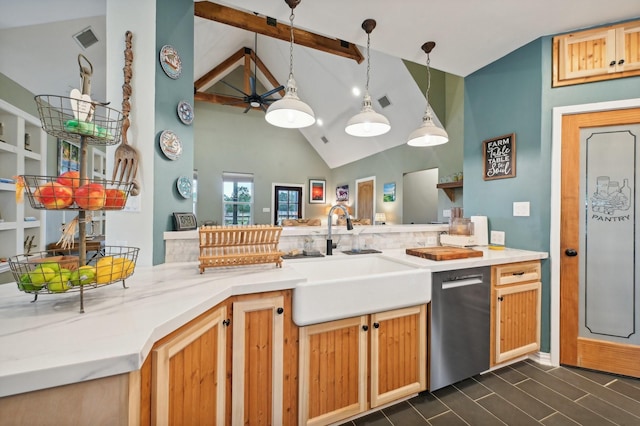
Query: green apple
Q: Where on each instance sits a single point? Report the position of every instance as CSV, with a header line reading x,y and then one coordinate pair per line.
x,y
83,275
59,284
41,275
55,266
26,285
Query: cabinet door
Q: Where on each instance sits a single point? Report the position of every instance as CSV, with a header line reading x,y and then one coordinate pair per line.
x,y
628,47
333,371
587,54
398,354
517,325
188,374
257,379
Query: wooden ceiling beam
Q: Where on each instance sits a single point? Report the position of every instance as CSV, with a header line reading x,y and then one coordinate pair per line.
x,y
219,69
263,68
220,99
258,24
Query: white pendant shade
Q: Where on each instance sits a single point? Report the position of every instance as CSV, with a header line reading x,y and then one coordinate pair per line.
x,y
367,122
290,112
428,134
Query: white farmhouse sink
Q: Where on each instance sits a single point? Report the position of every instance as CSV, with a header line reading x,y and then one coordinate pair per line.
x,y
345,287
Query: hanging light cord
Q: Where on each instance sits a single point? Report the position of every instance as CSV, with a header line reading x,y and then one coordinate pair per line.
x,y
368,62
428,79
291,45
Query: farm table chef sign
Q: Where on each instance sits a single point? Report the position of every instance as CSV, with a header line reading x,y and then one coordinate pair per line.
x,y
499,157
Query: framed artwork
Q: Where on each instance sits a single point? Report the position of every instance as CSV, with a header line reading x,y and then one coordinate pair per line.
x,y
342,193
499,157
389,192
317,191
68,156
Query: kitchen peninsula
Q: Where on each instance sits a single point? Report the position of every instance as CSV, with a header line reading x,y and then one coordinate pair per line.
x,y
105,356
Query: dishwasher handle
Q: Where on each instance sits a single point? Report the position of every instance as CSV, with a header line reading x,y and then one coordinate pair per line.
x,y
462,282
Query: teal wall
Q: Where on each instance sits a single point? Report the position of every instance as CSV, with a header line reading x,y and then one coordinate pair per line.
x,y
174,23
514,95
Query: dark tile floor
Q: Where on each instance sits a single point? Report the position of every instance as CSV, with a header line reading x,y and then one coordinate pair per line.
x,y
522,394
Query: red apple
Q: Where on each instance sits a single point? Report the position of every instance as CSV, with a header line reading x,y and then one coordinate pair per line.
x,y
70,178
90,196
52,195
115,199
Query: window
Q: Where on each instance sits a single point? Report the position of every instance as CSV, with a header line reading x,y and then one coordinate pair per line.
x,y
237,198
288,203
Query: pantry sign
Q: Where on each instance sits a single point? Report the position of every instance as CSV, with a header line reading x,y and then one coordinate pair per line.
x,y
499,156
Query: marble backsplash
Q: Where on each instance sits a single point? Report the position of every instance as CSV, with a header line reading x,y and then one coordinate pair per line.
x,y
184,247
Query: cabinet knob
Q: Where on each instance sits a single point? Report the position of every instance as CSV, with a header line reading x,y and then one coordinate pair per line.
x,y
365,327
621,61
376,325
500,299
226,322
280,311
612,63
571,252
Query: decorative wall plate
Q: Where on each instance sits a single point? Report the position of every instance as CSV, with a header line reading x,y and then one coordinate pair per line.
x,y
170,61
170,145
185,186
185,112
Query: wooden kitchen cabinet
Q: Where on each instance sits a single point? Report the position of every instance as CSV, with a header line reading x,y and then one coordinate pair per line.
x,y
515,310
336,381
188,383
599,54
235,364
264,360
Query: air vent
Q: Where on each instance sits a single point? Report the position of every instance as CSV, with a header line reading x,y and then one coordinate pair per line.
x,y
384,101
324,139
86,38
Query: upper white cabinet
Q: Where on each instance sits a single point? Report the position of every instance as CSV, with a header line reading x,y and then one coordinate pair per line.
x,y
23,151
599,54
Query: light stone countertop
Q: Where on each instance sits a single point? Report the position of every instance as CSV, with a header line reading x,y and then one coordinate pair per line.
x,y
50,343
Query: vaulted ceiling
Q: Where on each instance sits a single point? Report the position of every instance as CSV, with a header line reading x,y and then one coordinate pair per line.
x,y
36,40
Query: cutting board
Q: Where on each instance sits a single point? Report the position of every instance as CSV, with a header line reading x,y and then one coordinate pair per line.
x,y
443,253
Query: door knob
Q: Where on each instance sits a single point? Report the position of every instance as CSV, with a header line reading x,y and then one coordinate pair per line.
x,y
571,252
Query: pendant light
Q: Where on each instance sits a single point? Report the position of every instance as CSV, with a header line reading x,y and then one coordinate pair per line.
x,y
367,122
290,112
428,134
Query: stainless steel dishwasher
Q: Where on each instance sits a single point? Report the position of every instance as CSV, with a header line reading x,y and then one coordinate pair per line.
x,y
459,325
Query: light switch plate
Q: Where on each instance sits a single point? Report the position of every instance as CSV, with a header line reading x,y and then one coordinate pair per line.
x,y
266,210
521,208
497,237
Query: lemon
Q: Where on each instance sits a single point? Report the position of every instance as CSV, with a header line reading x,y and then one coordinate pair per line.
x,y
104,270
127,268
117,268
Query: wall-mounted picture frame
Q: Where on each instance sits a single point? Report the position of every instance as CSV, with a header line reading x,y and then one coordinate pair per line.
x,y
68,156
317,191
389,192
342,193
499,157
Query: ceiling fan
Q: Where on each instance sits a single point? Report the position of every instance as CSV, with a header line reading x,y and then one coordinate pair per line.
x,y
253,99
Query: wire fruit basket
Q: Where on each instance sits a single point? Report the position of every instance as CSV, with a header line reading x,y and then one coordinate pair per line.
x,y
67,193
72,119
48,272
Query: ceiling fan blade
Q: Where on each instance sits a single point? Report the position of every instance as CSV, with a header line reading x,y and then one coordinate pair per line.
x,y
247,110
233,87
271,92
263,108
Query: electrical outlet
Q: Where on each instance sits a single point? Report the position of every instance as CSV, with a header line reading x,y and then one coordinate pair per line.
x,y
266,210
446,213
521,208
497,237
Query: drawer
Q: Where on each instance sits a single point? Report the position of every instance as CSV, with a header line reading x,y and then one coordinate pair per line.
x,y
514,273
